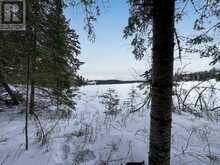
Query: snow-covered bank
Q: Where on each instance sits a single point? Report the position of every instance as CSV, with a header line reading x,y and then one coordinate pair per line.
x,y
90,137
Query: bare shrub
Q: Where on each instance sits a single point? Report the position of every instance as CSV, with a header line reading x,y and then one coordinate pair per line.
x,y
200,99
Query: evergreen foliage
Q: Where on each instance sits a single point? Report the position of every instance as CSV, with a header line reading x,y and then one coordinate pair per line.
x,y
52,46
110,100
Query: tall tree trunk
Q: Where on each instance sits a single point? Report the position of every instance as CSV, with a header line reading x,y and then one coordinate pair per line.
x,y
32,96
8,89
162,82
27,110
34,24
29,39
32,68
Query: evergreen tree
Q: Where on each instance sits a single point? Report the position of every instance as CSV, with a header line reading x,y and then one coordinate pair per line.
x,y
151,22
11,61
52,46
158,15
62,62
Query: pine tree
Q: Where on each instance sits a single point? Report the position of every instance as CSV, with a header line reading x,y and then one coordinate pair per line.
x,y
63,46
162,82
146,15
159,15
52,46
11,61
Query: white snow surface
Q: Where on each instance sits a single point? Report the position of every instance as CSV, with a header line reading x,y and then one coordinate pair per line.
x,y
90,137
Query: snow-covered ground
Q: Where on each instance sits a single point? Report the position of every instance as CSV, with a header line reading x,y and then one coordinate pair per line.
x,y
90,137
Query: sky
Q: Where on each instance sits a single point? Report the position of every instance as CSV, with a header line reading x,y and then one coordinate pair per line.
x,y
110,56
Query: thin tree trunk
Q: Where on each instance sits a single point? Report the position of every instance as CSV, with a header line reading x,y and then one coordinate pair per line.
x,y
32,97
162,82
27,102
32,70
35,10
29,37
8,89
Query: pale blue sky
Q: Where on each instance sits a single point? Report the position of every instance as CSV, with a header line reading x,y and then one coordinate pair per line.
x,y
110,56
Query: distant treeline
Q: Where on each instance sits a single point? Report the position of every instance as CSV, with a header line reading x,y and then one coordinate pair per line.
x,y
109,82
198,76
195,76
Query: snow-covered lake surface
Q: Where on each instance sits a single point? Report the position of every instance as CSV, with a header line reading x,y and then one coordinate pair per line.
x,y
90,137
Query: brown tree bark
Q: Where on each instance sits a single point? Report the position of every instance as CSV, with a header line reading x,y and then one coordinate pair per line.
x,y
162,82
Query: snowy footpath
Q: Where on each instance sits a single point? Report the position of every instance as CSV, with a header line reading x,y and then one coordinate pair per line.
x,y
90,137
